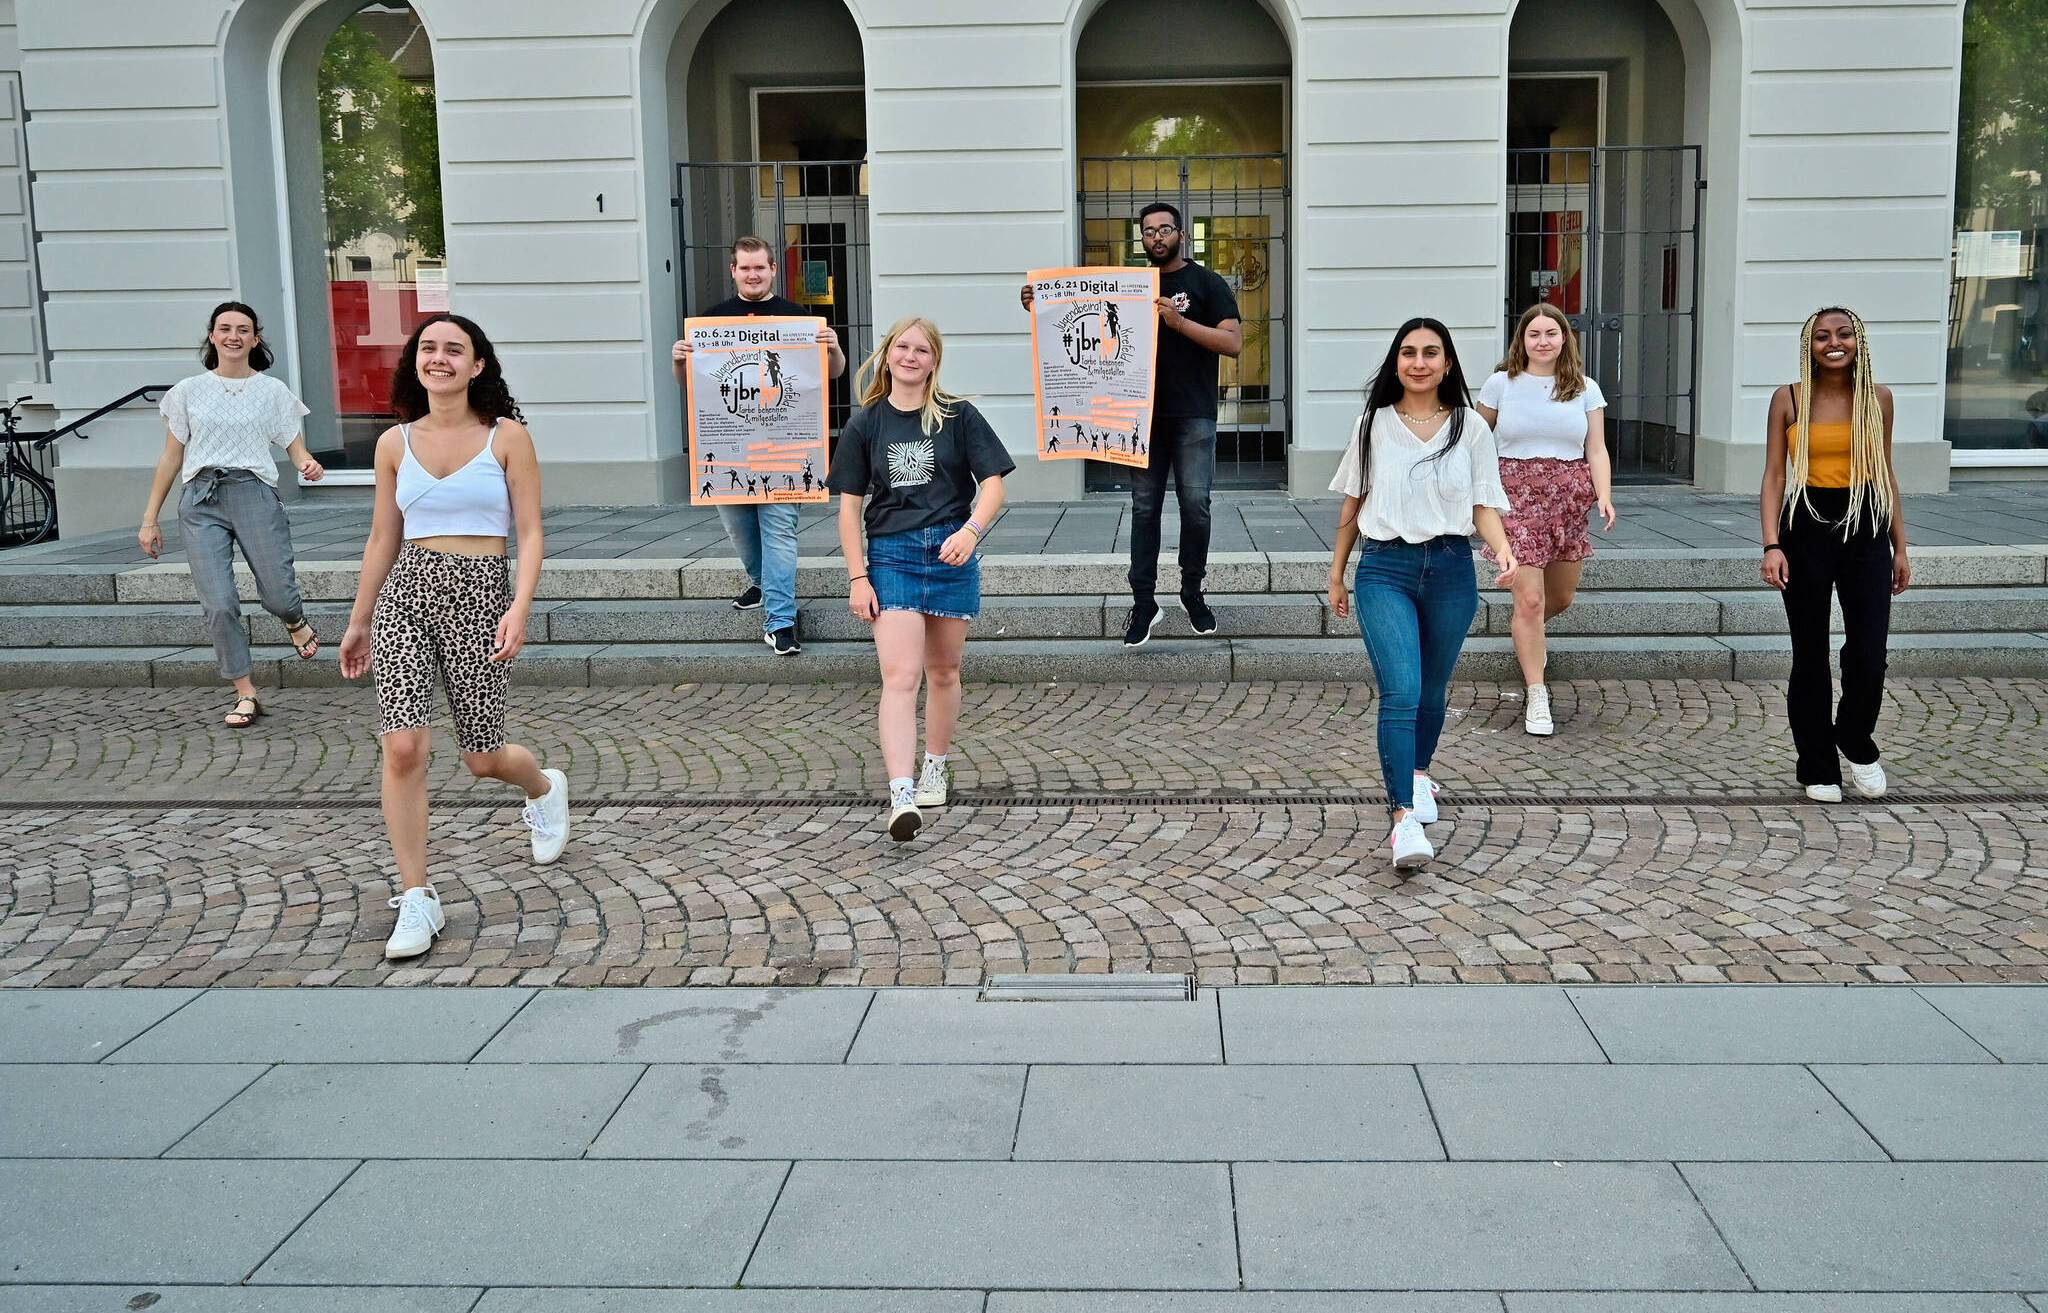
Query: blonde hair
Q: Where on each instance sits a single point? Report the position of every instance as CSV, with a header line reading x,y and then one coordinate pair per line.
x,y
1870,475
872,379
1570,379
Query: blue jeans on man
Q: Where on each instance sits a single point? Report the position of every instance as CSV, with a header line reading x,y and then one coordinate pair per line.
x,y
765,535
1415,602
1186,449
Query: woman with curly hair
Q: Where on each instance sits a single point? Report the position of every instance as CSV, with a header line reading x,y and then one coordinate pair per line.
x,y
1549,421
1832,527
437,600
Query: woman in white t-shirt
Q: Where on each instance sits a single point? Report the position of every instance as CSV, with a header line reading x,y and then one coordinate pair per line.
x,y
222,425
1418,478
1549,420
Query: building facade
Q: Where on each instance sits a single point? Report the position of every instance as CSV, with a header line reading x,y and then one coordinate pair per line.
x,y
1687,178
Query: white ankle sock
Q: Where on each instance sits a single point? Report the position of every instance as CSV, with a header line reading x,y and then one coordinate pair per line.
x,y
932,759
902,784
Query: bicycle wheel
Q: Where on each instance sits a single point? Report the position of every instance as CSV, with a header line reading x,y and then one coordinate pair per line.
x,y
28,506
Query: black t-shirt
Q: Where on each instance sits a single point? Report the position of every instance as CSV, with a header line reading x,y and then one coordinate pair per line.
x,y
913,480
739,307
1186,387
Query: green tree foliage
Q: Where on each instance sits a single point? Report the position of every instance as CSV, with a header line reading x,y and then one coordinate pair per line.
x,y
2002,154
380,146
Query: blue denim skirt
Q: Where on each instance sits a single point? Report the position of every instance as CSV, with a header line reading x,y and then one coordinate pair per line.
x,y
907,574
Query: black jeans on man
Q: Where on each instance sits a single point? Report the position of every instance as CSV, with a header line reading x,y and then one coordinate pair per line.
x,y
1187,449
1859,569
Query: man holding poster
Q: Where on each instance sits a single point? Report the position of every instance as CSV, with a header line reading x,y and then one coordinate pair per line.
x,y
762,524
1197,324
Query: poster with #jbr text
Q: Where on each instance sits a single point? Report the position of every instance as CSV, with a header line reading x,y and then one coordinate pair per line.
x,y
757,410
1094,333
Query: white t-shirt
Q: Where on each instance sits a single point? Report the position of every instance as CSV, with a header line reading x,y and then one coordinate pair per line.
x,y
232,423
1529,425
1414,498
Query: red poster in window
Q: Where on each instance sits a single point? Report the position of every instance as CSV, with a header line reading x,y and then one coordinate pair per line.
x,y
1564,245
371,324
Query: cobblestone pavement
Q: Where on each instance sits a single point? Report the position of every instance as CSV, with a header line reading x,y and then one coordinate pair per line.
x,y
727,836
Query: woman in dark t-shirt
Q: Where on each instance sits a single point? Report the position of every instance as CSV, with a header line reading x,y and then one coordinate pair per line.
x,y
920,471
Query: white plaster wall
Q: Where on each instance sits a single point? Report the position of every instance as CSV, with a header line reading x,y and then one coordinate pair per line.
x,y
22,357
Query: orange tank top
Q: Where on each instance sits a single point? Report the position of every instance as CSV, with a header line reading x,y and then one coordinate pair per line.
x,y
1827,455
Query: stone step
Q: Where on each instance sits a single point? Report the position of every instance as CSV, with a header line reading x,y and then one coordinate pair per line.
x,y
1014,617
1066,660
1012,574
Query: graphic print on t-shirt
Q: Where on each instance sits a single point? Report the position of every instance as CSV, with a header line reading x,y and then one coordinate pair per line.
x,y
912,463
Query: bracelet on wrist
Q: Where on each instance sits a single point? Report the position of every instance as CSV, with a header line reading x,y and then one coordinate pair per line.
x,y
1772,547
854,579
978,530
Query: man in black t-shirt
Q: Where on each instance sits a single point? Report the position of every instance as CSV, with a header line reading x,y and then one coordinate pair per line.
x,y
764,533
1198,324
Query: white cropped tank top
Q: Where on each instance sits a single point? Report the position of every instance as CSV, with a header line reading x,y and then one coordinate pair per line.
x,y
473,501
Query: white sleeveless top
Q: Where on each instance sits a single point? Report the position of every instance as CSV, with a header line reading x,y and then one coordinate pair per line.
x,y
474,501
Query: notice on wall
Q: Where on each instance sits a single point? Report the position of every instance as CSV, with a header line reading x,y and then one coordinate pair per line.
x,y
757,410
1996,254
1094,335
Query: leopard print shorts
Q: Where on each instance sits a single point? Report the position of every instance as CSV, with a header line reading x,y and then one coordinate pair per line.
x,y
438,614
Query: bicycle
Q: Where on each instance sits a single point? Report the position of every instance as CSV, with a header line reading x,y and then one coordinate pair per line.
x,y
28,498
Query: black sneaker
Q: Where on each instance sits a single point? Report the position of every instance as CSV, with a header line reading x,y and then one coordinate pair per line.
x,y
1144,618
1200,618
748,600
783,641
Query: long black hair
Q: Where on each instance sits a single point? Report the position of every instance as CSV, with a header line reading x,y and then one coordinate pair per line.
x,y
1385,388
488,394
259,356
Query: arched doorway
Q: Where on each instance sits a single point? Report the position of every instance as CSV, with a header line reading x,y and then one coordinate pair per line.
x,y
767,129
1604,193
1209,135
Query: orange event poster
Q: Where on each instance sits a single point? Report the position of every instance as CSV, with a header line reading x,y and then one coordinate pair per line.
x,y
1094,334
757,410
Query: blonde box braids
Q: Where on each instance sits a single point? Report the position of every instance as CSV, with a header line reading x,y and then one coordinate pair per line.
x,y
1870,481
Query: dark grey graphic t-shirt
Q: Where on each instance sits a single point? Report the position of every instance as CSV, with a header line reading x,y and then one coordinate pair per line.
x,y
913,479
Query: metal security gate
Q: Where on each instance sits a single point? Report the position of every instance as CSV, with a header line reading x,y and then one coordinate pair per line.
x,y
1610,235
819,209
1235,211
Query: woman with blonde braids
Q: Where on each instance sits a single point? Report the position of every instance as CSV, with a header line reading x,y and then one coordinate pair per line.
x,y
1832,525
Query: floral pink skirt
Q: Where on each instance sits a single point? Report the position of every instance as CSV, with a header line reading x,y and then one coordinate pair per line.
x,y
1551,501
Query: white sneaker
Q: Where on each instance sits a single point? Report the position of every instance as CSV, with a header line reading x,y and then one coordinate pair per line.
x,y
1824,792
419,920
1410,845
1536,716
1870,781
932,784
548,817
1426,790
904,818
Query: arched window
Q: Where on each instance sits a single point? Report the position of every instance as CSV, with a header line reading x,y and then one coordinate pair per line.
x,y
1998,295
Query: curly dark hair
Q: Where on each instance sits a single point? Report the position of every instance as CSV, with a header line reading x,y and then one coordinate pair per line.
x,y
489,396
259,357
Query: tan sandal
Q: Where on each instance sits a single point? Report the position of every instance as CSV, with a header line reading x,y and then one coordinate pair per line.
x,y
240,719
308,647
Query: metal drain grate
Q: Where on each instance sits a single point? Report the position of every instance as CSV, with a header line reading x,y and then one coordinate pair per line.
x,y
1136,987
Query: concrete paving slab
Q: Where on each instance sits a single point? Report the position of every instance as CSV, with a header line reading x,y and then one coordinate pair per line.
x,y
731,1301
1006,1301
1786,1023
103,1220
74,1110
1871,1226
1225,1114
682,1025
1476,1226
80,1025
408,1110
1128,1226
534,1223
952,1025
1581,1302
1597,1112
2012,1023
329,1025
1469,1023
788,1111
1949,1112
232,1299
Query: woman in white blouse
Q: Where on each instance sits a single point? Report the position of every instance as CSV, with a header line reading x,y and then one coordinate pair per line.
x,y
222,425
1419,477
1549,421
